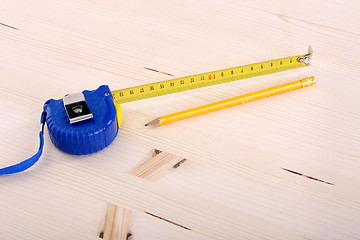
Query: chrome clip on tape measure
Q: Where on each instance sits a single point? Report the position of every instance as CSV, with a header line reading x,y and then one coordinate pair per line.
x,y
87,122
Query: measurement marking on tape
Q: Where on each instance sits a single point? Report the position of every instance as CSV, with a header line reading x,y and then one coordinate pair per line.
x,y
210,78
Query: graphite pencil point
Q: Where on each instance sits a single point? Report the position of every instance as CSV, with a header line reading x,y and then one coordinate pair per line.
x,y
154,122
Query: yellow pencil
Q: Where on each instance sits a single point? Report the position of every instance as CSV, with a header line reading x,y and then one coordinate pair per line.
x,y
232,101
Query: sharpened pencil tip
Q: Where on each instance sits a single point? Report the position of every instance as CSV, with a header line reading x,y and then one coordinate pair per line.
x,y
154,122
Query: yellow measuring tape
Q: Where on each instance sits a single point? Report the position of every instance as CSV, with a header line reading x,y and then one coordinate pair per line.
x,y
210,78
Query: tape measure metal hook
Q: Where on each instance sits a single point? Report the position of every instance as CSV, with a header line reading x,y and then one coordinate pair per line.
x,y
307,57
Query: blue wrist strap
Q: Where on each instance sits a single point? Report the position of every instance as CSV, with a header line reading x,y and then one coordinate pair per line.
x,y
22,166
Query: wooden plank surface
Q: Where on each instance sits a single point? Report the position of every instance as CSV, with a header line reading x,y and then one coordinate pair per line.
x,y
253,170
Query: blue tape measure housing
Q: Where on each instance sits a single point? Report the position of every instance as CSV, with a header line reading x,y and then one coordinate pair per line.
x,y
87,136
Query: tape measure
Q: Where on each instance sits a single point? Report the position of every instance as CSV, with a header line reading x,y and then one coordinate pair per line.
x,y
83,123
87,122
210,78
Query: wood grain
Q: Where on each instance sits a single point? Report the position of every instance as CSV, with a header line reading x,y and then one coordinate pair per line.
x,y
235,185
118,219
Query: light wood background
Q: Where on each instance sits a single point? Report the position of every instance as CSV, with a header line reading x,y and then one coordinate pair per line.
x,y
233,185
